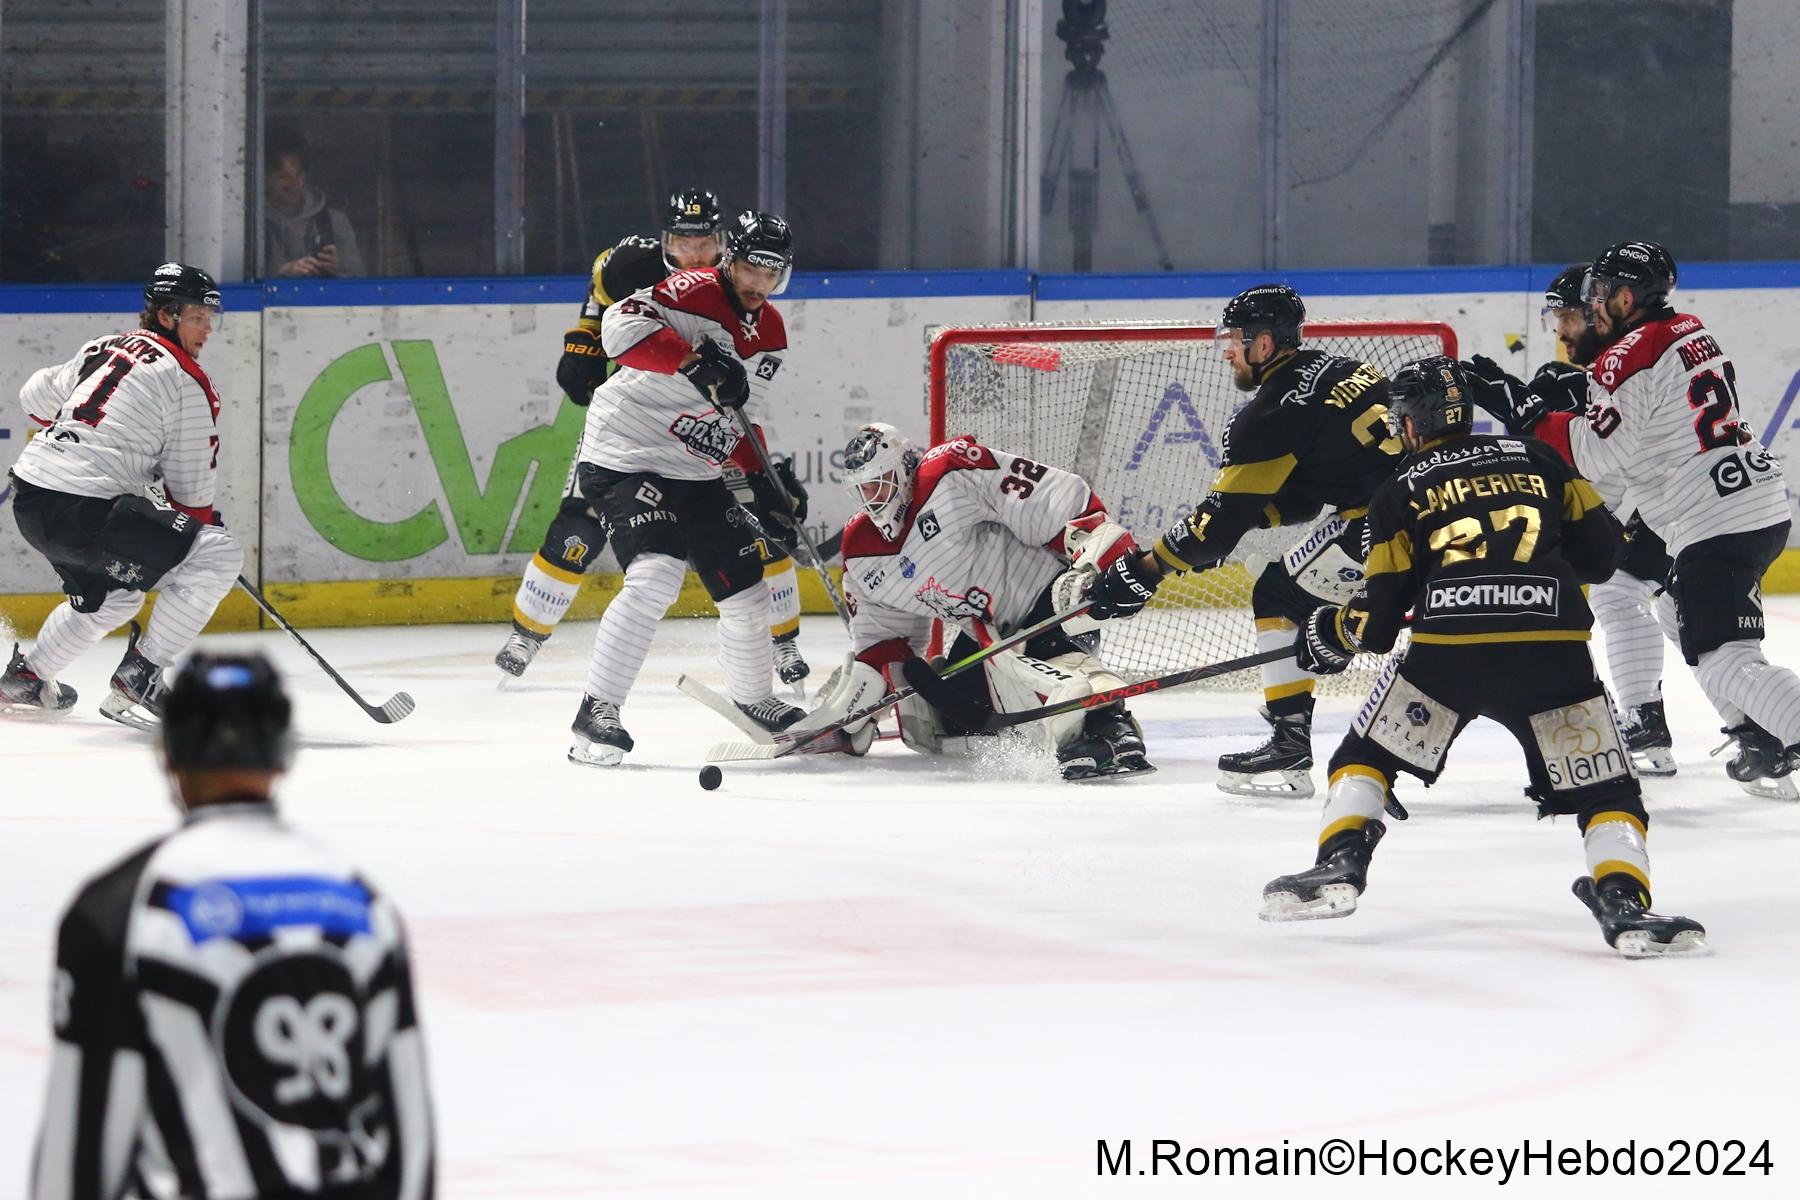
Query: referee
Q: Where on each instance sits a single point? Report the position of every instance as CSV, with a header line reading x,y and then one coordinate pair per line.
x,y
233,1008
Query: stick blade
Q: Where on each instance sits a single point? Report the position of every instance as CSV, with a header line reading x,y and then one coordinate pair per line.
x,y
398,708
741,751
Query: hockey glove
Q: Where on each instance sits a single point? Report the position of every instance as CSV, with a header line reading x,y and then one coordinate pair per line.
x,y
719,376
1122,589
770,509
582,367
1503,397
1320,647
1561,386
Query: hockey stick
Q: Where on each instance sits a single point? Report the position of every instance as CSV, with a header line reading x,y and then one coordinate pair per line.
x,y
1161,683
688,686
787,502
398,705
729,751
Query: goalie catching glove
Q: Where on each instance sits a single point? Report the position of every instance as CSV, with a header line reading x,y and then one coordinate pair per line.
x,y
1322,648
1097,547
718,376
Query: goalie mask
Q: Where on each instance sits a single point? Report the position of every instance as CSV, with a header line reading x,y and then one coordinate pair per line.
x,y
879,465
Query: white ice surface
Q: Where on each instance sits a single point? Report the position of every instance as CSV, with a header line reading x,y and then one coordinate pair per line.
x,y
905,978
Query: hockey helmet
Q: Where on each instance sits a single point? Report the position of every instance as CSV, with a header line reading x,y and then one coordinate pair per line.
x,y
1435,393
174,284
762,239
1563,298
690,212
1645,267
227,712
879,466
1272,308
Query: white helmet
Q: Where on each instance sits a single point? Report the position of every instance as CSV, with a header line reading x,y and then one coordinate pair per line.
x,y
879,465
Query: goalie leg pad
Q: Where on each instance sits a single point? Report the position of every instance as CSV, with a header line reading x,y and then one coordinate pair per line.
x,y
1016,683
852,686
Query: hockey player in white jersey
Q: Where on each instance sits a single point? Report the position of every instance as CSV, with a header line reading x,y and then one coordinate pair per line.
x,y
988,543
1663,426
233,1010
117,493
693,352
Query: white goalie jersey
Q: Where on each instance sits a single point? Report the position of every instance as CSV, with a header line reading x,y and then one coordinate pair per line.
x,y
128,410
646,417
982,539
1663,429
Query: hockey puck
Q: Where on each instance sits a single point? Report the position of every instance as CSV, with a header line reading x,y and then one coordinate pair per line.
x,y
711,777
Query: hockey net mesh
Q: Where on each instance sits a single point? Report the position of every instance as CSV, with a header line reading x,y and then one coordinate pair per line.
x,y
1141,411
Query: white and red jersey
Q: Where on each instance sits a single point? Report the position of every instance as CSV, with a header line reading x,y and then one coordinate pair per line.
x,y
129,409
646,417
1664,431
983,537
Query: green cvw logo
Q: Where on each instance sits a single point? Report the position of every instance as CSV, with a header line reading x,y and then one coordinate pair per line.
x,y
482,515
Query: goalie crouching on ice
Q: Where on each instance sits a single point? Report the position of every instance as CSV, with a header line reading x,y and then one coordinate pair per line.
x,y
990,543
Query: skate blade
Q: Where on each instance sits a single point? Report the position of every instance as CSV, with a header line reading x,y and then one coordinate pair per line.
x,y
33,712
129,714
1655,763
1114,775
1638,943
1334,900
595,754
1771,789
1295,783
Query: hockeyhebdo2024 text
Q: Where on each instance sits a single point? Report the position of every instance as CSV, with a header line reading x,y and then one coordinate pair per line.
x,y
1539,1158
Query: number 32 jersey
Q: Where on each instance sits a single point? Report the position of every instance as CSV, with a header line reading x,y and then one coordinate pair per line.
x,y
1663,427
983,537
234,1018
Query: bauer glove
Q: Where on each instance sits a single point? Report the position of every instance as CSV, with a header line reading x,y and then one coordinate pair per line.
x,y
1122,589
718,376
1320,647
582,367
1503,397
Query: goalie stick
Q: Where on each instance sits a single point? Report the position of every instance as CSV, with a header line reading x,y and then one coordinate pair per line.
x,y
738,751
816,560
398,706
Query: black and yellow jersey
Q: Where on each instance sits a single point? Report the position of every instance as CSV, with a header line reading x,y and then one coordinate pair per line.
x,y
1486,539
1314,435
632,265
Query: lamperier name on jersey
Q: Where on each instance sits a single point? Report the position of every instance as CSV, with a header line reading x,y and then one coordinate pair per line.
x,y
125,411
982,539
234,1035
1663,425
646,418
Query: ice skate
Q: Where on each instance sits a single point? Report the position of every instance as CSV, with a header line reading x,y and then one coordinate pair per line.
x,y
1760,766
790,667
1648,742
521,647
1281,766
1331,887
137,689
24,694
1110,747
1623,910
600,740
772,714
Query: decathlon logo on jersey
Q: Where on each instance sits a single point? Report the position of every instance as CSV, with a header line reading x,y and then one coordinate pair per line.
x,y
1495,595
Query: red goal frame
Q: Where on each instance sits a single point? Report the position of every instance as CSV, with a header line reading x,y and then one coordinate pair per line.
x,y
959,335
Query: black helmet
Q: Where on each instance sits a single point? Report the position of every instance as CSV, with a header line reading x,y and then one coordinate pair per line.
x,y
1644,267
763,240
1564,293
690,212
1565,290
177,283
1435,393
1272,307
227,712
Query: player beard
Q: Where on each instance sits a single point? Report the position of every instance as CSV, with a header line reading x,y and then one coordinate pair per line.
x,y
1584,349
1243,375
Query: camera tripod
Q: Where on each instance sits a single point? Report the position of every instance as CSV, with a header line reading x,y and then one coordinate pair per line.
x,y
1087,106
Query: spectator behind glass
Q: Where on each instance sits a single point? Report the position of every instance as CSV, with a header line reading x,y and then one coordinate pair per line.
x,y
303,235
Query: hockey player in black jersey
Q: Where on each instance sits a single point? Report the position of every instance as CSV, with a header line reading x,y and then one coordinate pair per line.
x,y
692,236
233,1005
1487,539
1313,436
1632,608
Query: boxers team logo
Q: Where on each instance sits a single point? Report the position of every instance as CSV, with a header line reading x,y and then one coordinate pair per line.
x,y
973,605
706,437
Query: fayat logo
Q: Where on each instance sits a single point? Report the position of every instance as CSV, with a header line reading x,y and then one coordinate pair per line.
x,y
1188,428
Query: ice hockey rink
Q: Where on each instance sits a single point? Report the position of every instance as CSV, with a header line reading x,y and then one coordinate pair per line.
x,y
897,977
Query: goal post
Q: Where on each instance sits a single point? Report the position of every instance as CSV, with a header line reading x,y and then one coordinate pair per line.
x,y
1140,410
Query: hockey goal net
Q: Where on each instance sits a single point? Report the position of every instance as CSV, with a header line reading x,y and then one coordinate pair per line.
x,y
1140,410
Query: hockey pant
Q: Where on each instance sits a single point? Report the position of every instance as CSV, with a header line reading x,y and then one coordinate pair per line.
x,y
1325,567
1717,585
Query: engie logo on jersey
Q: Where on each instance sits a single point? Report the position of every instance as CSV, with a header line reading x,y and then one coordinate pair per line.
x,y
706,436
1495,596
